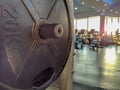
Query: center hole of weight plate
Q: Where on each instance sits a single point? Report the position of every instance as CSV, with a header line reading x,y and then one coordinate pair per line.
x,y
59,31
51,31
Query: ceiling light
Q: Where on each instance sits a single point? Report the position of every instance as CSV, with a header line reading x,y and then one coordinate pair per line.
x,y
75,8
111,10
105,4
93,6
98,10
97,0
103,10
116,12
83,2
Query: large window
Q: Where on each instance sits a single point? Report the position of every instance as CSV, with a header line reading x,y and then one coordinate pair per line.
x,y
94,23
88,23
75,23
112,24
82,24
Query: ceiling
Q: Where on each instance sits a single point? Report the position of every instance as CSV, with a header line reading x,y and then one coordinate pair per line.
x,y
87,8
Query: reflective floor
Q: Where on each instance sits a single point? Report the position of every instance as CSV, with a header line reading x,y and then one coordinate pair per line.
x,y
97,70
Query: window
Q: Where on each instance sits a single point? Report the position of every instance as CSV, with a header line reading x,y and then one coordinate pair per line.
x,y
94,23
82,24
112,24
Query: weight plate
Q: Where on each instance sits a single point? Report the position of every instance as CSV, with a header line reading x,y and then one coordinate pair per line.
x,y
35,38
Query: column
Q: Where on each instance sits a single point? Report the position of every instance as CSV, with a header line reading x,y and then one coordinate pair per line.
x,y
102,23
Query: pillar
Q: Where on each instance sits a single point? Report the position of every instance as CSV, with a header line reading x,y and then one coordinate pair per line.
x,y
102,24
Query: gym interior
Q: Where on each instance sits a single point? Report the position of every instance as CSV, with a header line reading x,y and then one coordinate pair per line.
x,y
97,45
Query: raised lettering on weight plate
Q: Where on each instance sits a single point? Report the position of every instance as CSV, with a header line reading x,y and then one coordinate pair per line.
x,y
10,24
12,37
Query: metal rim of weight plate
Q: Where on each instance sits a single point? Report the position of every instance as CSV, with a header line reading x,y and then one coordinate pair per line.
x,y
49,39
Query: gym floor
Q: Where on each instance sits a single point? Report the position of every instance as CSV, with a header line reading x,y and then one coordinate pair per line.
x,y
97,70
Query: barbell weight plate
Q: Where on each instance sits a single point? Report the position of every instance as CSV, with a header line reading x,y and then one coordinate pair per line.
x,y
35,38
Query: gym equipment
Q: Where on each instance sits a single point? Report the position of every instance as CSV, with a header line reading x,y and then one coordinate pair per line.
x,y
94,44
35,41
78,42
104,41
78,45
118,38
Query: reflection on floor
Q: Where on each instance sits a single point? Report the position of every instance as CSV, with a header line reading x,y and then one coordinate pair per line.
x,y
97,70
